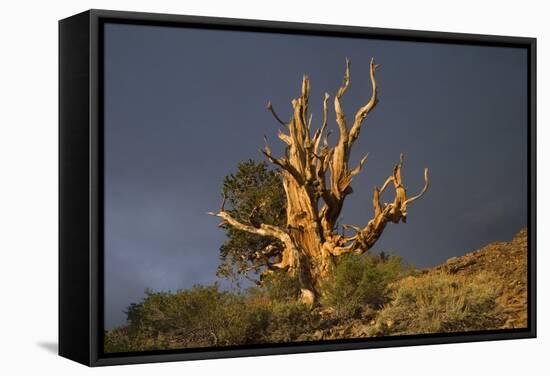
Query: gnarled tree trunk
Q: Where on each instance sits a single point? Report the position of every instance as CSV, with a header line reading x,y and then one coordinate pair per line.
x,y
316,179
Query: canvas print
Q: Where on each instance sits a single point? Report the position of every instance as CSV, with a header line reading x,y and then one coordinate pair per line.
x,y
271,188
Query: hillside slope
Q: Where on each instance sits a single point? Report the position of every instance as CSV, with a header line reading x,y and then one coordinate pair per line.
x,y
370,296
482,290
508,262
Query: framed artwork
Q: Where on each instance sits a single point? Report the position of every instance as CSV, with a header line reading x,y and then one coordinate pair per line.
x,y
239,187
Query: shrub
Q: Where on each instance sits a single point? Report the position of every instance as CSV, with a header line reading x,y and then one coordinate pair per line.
x,y
205,316
289,320
241,323
360,281
440,302
201,316
280,286
118,340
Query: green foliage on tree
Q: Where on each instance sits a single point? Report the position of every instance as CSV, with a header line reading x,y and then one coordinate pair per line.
x,y
254,194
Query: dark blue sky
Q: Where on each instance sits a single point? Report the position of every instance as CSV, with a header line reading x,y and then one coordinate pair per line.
x,y
184,106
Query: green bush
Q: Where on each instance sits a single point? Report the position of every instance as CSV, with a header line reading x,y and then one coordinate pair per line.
x,y
440,302
359,282
201,316
118,340
205,316
280,286
289,320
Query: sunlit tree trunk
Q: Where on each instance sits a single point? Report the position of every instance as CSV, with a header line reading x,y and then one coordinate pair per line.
x,y
316,179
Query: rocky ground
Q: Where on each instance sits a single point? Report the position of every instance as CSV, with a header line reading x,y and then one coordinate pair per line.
x,y
508,262
505,261
482,290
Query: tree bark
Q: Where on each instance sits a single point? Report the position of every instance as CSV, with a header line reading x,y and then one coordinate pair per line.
x,y
316,180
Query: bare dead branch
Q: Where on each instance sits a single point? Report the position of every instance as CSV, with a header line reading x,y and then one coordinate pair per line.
x,y
340,116
272,110
386,183
357,229
284,137
345,84
309,240
284,164
362,112
318,135
424,190
357,169
222,206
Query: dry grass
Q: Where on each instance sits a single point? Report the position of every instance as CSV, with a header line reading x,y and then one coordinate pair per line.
x,y
441,302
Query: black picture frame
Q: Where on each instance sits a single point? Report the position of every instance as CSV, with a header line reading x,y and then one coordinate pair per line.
x,y
81,179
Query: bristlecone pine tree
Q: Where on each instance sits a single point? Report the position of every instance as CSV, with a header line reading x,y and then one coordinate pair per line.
x,y
316,179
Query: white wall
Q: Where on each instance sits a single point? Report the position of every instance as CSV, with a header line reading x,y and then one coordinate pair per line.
x,y
28,185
